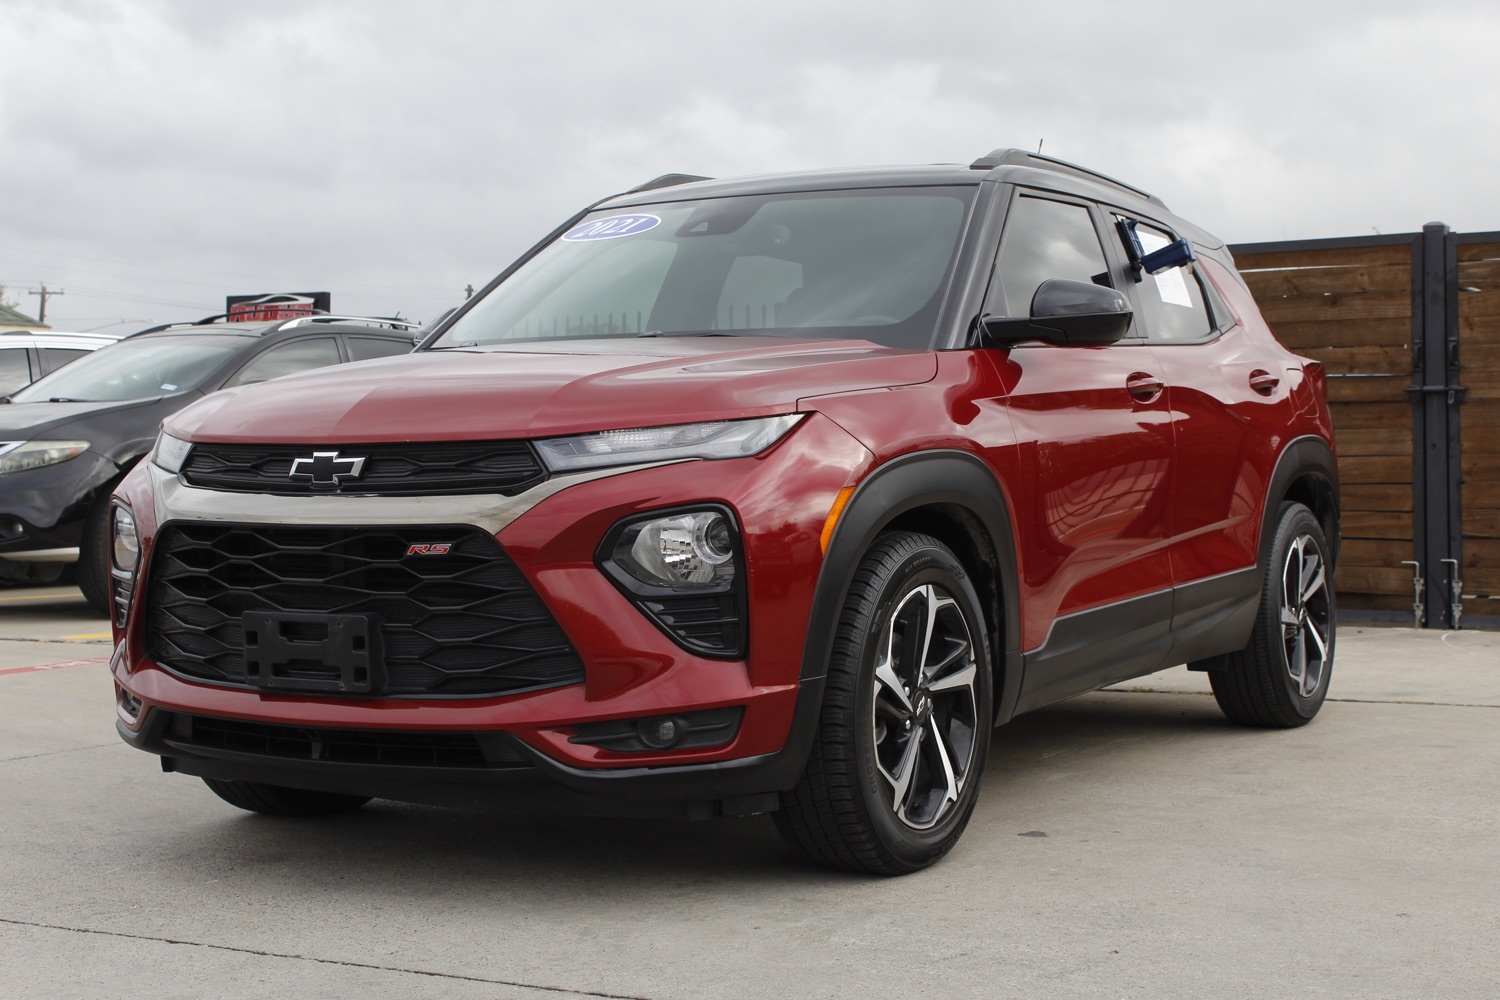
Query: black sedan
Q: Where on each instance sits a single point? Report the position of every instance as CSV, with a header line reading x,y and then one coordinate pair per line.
x,y
68,438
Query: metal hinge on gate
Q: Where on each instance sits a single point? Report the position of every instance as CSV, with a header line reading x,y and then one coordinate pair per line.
x,y
1455,392
1455,592
1417,585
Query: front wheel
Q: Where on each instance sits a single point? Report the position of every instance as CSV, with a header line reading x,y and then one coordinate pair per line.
x,y
894,771
1280,679
93,557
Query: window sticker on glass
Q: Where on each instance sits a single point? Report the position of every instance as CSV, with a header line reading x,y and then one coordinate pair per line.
x,y
168,387
611,228
1169,284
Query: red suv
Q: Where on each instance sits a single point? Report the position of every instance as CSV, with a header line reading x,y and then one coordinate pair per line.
x,y
761,495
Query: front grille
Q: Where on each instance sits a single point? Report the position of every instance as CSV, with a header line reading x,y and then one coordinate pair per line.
x,y
463,622
345,746
413,469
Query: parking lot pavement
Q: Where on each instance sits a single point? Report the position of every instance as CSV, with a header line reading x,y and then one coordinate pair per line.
x,y
1128,843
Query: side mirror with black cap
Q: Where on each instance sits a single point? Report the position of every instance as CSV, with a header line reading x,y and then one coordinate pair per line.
x,y
1064,311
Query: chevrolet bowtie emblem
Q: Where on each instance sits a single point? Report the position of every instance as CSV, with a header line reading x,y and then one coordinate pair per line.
x,y
326,468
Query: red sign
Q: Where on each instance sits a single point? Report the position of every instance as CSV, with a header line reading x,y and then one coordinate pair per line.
x,y
276,306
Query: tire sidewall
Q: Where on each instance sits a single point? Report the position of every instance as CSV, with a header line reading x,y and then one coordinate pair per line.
x,y
935,565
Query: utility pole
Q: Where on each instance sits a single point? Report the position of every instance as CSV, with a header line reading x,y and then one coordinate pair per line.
x,y
44,293
468,291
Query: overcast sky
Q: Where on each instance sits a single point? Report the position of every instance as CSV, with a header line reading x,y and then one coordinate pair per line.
x,y
156,155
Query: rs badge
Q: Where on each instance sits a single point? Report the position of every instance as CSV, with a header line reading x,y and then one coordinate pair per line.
x,y
436,549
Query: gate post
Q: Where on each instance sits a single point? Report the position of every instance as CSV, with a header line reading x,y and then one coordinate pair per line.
x,y
1436,393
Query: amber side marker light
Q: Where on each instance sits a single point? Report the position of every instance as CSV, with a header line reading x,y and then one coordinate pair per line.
x,y
839,503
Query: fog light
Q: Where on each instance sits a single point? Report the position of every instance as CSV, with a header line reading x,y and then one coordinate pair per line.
x,y
659,734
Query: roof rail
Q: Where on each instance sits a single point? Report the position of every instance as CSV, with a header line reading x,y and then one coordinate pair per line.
x,y
667,180
205,321
390,321
1022,158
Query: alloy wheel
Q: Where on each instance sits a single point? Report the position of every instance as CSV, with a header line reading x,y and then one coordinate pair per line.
x,y
1305,614
925,707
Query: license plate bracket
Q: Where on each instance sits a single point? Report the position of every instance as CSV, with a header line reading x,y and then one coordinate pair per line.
x,y
329,654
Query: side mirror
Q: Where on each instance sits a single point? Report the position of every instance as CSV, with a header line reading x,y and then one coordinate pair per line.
x,y
1064,311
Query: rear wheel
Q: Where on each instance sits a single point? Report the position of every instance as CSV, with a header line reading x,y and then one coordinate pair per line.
x,y
275,800
1280,679
894,771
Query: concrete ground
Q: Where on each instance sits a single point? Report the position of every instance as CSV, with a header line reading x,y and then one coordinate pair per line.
x,y
1128,843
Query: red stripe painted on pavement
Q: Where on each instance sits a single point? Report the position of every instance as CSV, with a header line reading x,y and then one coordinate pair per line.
x,y
54,666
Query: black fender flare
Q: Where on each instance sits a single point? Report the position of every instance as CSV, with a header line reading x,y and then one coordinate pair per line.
x,y
950,478
1309,455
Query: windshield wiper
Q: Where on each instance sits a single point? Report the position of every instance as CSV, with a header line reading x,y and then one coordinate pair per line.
x,y
66,399
688,333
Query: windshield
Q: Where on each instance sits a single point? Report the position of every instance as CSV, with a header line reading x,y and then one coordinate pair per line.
x,y
133,369
866,264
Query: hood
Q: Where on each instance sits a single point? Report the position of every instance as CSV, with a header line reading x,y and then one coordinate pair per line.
x,y
545,389
32,421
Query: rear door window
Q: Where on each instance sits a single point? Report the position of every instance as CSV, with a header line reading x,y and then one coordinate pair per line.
x,y
1173,300
15,369
285,359
365,348
54,358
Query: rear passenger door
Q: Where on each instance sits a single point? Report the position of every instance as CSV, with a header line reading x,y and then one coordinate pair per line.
x,y
1221,390
1095,445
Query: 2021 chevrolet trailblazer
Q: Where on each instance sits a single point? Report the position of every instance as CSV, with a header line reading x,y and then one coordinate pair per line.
x,y
762,495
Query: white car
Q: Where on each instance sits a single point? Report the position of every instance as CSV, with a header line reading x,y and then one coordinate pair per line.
x,y
27,355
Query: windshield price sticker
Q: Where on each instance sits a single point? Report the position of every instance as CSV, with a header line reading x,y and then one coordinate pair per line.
x,y
611,228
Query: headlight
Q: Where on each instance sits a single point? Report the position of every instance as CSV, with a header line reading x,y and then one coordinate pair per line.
x,y
169,452
125,558
685,570
127,547
17,456
686,550
715,439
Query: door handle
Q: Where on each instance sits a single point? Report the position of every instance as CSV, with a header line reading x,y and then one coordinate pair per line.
x,y
1144,386
1263,381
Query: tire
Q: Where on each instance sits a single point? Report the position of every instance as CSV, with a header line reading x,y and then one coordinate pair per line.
x,y
274,800
904,730
93,558
1280,679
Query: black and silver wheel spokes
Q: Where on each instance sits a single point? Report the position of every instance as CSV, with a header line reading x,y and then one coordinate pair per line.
x,y
1305,625
925,706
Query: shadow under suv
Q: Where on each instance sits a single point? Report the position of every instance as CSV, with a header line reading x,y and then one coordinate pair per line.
x,y
729,497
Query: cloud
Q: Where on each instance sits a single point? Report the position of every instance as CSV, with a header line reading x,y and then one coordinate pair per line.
x,y
393,152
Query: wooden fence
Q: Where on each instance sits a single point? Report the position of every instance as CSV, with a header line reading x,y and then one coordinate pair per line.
x,y
1408,329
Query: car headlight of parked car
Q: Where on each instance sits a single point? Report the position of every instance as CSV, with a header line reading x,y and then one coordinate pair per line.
x,y
169,453
18,456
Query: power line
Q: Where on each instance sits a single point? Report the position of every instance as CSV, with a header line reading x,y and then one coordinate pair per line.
x,y
45,294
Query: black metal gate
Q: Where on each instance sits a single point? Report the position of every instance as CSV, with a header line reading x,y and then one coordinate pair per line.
x,y
1408,328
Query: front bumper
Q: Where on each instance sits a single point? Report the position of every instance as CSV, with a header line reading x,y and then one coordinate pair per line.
x,y
43,511
632,669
